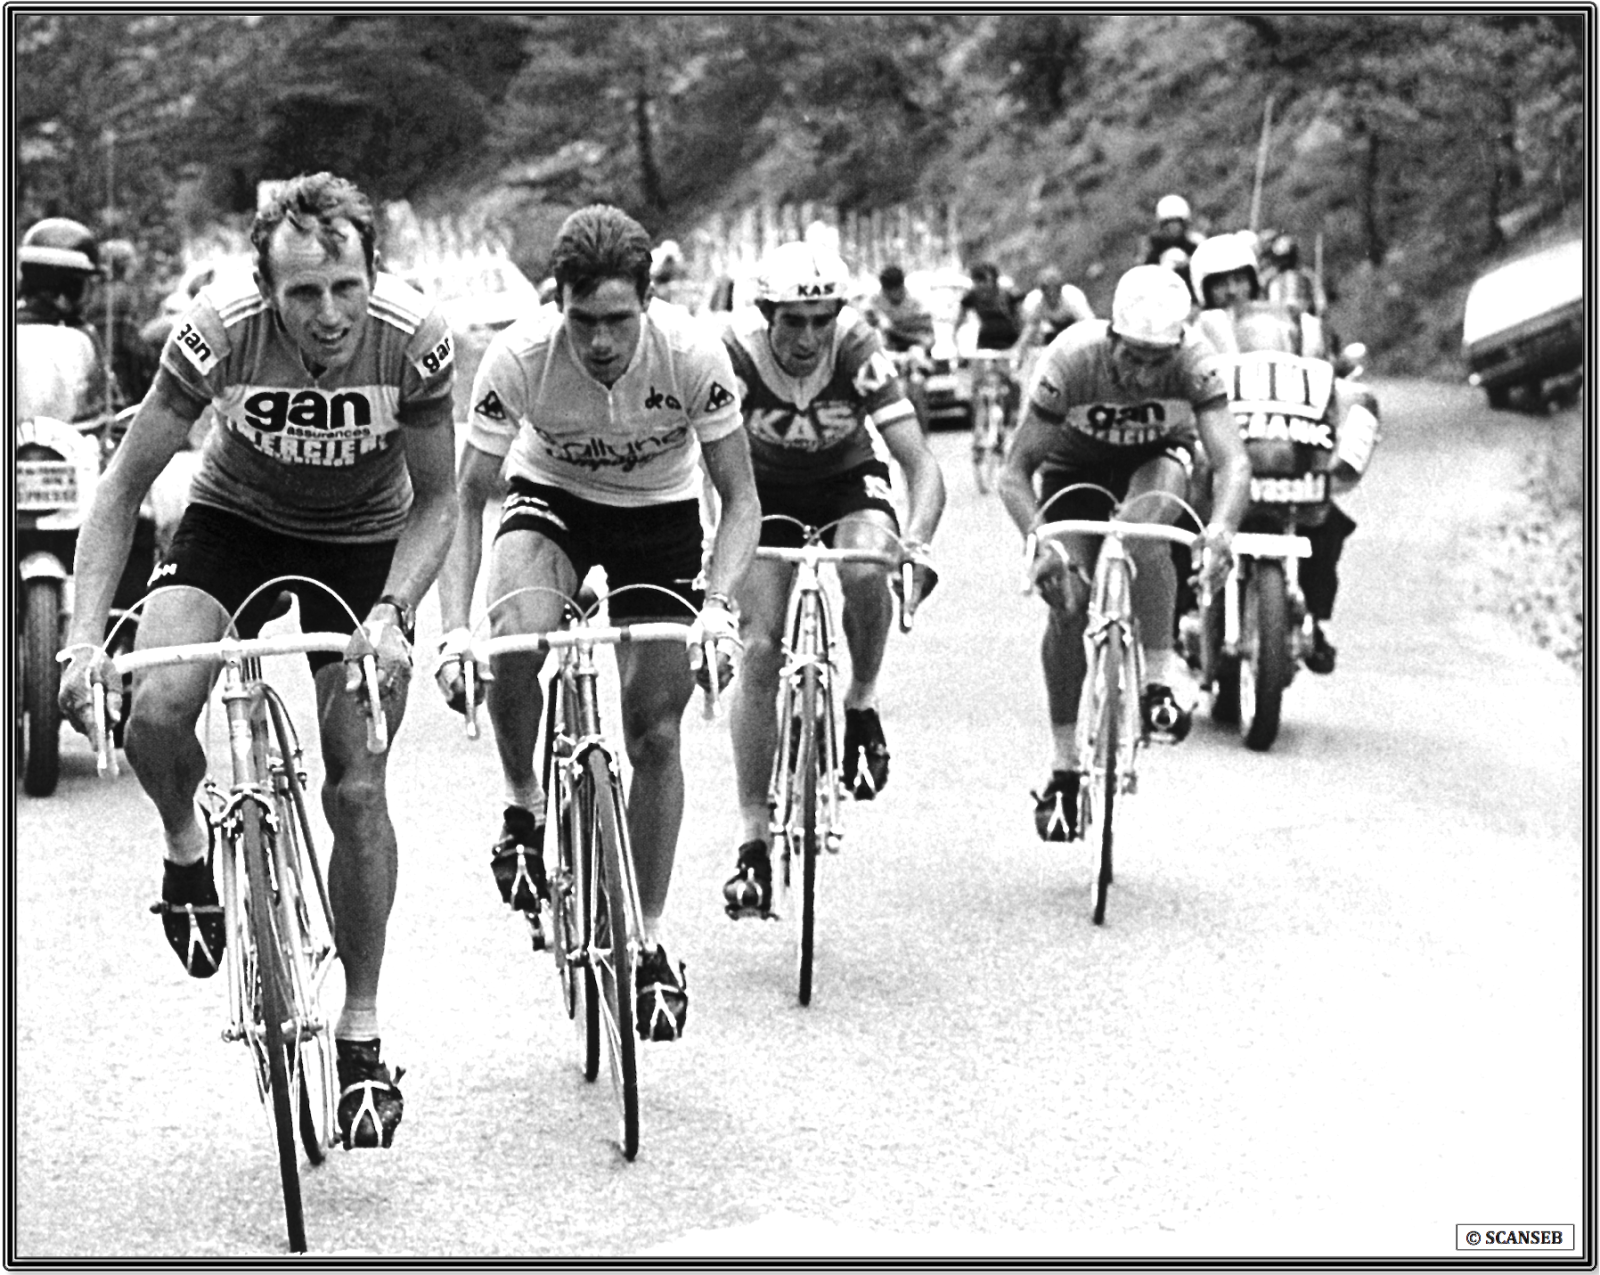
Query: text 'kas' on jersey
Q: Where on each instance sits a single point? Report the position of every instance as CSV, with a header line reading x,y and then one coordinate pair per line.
x,y
1075,380
310,456
805,428
636,443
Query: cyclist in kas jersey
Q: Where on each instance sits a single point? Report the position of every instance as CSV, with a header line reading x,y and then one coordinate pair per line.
x,y
1120,404
818,392
332,459
602,407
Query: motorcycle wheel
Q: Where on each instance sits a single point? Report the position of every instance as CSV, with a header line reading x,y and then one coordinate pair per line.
x,y
1264,670
41,680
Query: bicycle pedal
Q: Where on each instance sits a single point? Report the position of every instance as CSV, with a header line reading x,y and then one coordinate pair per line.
x,y
538,932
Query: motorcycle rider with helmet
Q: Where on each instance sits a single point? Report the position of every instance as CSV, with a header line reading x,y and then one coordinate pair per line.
x,y
819,392
1227,281
1120,405
1174,230
62,371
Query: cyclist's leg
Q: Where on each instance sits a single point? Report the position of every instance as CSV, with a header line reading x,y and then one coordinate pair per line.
x,y
656,685
521,557
763,599
1155,576
868,608
162,747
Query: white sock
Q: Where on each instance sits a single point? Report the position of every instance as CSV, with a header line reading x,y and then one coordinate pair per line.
x,y
1064,746
189,845
358,1020
529,796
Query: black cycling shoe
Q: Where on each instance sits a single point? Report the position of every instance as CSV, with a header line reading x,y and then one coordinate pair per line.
x,y
661,998
192,916
863,741
1166,720
1055,809
1320,658
370,1105
748,891
517,861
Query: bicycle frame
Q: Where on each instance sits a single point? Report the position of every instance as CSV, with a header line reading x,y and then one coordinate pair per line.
x,y
277,959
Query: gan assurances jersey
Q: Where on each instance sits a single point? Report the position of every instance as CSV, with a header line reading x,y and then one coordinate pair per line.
x,y
805,428
634,444
1102,417
310,456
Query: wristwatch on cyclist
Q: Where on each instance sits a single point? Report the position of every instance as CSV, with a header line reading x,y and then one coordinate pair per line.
x,y
405,613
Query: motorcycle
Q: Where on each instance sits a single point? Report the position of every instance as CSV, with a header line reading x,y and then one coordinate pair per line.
x,y
1309,433
59,459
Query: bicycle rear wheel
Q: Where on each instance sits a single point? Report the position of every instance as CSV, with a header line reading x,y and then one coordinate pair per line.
x,y
1104,773
986,445
272,982
306,917
614,948
808,758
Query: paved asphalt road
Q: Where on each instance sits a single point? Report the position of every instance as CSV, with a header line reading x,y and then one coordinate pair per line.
x,y
1336,1010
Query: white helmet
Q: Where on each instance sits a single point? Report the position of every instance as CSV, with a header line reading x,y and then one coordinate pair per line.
x,y
1150,305
802,272
1222,254
1172,208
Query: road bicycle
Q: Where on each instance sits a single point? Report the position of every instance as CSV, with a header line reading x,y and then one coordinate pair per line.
x,y
806,793
596,918
1111,727
279,947
991,419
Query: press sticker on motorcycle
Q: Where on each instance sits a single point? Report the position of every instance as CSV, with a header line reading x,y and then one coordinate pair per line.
x,y
1277,382
195,348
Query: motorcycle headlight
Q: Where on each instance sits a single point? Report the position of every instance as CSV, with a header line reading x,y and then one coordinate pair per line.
x,y
1272,457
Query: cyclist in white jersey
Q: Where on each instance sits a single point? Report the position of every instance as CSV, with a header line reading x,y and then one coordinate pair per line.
x,y
1120,405
332,458
602,408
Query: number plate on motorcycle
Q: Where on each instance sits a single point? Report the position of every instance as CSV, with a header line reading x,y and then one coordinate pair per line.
x,y
46,484
1306,489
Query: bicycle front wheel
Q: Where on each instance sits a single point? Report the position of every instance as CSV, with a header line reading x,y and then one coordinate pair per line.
x,y
1113,657
614,949
306,919
274,1011
986,446
808,759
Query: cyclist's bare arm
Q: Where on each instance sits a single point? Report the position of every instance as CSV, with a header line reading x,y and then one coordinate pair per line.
x,y
428,437
924,480
1230,463
477,482
727,464
159,432
1029,449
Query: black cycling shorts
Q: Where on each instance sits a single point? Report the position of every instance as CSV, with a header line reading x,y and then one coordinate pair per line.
x,y
228,556
827,500
645,544
1112,473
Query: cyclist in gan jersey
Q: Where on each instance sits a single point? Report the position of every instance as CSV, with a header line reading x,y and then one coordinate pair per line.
x,y
816,383
602,407
1120,405
332,459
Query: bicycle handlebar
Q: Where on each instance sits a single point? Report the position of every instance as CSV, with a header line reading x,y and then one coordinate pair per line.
x,y
233,650
576,635
1122,530
817,553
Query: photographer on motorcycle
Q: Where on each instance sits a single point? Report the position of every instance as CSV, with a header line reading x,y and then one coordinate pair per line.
x,y
62,370
1227,283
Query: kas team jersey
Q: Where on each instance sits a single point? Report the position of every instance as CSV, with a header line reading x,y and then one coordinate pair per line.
x,y
1075,381
637,443
803,429
309,456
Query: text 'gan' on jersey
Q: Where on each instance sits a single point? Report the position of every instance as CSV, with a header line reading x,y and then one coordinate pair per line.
x,y
1076,381
805,428
636,443
309,455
